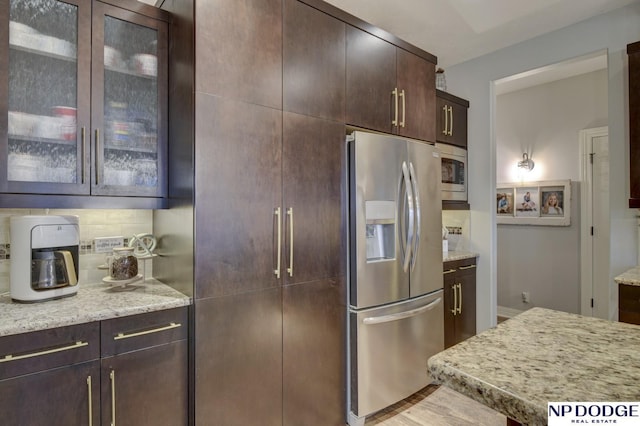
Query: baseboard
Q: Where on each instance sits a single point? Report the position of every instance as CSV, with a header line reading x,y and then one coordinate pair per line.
x,y
505,312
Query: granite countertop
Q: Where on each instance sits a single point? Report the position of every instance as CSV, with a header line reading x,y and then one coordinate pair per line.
x,y
630,277
542,356
93,302
450,256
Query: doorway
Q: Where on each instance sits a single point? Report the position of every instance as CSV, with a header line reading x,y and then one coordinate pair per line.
x,y
595,233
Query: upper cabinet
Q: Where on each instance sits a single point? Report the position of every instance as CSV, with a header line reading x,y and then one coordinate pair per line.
x,y
633,50
83,98
451,119
389,89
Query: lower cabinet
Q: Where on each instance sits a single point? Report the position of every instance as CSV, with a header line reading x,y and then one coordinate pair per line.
x,y
459,301
57,376
629,303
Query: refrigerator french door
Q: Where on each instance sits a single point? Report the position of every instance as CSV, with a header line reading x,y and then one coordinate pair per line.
x,y
395,269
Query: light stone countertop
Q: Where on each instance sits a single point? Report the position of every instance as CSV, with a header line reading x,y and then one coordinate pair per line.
x,y
93,302
457,255
542,356
630,277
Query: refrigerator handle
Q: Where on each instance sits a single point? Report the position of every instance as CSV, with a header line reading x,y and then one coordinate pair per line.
x,y
410,233
401,315
418,216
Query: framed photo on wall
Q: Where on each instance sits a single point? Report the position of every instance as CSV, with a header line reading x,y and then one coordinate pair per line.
x,y
546,203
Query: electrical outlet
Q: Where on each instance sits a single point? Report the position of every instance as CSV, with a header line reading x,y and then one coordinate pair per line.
x,y
525,297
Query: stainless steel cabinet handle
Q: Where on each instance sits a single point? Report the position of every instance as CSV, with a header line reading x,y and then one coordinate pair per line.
x,y
454,287
82,153
97,154
10,357
395,98
450,121
121,336
404,109
407,180
401,315
277,270
112,376
468,267
450,271
416,202
90,400
290,214
459,298
445,131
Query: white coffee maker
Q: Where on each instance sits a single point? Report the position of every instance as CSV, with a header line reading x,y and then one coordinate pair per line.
x,y
44,257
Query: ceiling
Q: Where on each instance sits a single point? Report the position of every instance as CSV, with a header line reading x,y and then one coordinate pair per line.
x,y
458,30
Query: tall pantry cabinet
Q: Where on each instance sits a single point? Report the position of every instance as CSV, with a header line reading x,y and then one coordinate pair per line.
x,y
267,204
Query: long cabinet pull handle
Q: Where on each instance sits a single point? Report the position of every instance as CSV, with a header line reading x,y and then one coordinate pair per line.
x,y
450,121
112,377
279,226
97,154
459,298
445,131
83,146
172,325
10,357
404,109
90,400
450,271
468,267
395,100
454,287
290,214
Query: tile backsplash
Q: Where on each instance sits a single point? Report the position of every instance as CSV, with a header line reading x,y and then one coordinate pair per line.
x,y
457,223
93,223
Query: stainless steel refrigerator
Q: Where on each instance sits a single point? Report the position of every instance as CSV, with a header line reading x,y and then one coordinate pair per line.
x,y
395,269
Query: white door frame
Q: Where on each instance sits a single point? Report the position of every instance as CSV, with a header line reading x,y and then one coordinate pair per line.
x,y
588,265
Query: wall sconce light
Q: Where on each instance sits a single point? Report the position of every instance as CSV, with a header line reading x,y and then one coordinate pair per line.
x,y
526,163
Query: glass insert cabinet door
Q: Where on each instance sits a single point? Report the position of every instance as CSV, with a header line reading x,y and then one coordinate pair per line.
x,y
44,95
128,103
83,99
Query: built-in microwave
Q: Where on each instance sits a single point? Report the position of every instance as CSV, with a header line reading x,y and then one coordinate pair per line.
x,y
454,172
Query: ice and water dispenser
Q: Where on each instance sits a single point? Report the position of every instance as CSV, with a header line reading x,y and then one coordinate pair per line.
x,y
380,219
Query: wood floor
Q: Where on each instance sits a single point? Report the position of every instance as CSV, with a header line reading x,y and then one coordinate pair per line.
x,y
437,406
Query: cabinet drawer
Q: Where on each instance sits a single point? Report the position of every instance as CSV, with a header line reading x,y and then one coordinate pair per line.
x,y
457,264
120,335
629,298
42,350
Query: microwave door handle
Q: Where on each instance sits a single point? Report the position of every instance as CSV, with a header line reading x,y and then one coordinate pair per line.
x,y
416,202
410,235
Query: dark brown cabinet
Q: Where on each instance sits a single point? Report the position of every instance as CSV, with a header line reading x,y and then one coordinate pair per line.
x,y
459,301
451,119
388,89
144,378
51,377
633,52
313,62
83,101
57,376
629,303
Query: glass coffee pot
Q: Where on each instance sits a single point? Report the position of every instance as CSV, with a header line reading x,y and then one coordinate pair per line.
x,y
52,269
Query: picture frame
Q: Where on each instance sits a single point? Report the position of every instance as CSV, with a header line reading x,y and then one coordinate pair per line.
x,y
542,203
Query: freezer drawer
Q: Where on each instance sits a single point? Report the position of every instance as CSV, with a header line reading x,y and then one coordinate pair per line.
x,y
389,349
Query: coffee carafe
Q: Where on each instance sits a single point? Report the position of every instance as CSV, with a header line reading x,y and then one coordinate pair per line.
x,y
44,257
52,269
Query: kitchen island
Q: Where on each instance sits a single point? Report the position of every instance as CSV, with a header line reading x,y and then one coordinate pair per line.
x,y
543,356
